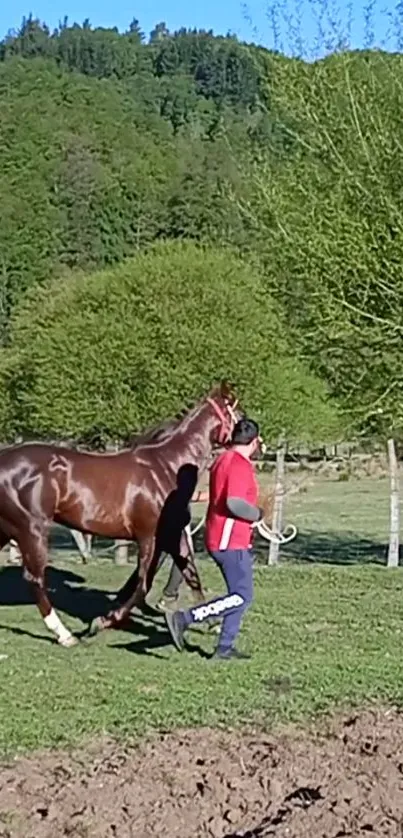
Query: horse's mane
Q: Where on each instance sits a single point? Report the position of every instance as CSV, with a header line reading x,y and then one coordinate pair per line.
x,y
155,433
162,431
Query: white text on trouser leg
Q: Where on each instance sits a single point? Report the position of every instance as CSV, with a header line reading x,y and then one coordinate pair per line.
x,y
215,609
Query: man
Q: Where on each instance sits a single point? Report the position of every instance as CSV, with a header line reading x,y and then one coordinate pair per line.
x,y
231,513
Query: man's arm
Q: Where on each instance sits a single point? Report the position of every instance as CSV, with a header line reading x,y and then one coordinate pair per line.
x,y
240,508
237,506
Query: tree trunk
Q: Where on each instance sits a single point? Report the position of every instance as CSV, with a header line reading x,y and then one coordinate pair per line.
x,y
121,552
394,526
277,523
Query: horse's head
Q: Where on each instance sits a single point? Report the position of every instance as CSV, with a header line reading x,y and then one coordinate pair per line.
x,y
225,406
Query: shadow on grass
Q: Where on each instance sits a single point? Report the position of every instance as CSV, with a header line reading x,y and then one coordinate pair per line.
x,y
159,640
313,546
70,595
335,548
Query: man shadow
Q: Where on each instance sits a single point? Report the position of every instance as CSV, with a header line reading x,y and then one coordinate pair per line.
x,y
159,640
175,514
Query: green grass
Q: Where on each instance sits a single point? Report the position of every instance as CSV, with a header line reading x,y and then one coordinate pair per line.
x,y
321,636
341,522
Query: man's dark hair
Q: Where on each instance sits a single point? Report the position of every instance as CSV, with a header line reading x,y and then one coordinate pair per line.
x,y
245,431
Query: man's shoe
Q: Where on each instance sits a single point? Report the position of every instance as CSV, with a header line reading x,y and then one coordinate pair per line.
x,y
231,654
174,621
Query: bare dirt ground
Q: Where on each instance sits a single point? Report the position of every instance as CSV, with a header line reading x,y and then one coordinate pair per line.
x,y
345,780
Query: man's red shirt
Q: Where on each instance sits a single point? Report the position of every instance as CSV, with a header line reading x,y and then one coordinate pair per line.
x,y
231,475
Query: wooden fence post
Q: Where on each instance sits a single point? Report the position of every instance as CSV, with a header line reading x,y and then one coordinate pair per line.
x,y
393,550
84,544
121,552
278,503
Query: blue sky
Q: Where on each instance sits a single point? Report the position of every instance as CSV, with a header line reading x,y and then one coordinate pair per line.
x,y
249,20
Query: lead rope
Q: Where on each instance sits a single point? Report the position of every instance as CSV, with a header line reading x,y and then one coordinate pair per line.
x,y
263,529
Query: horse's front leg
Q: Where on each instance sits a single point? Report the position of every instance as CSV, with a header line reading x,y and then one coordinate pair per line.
x,y
127,590
135,589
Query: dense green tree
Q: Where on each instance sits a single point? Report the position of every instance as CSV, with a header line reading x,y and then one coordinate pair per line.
x,y
72,191
221,68
114,351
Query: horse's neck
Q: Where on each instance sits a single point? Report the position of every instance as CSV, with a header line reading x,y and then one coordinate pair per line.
x,y
197,443
191,441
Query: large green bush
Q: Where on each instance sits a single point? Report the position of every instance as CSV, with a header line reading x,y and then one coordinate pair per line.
x,y
119,349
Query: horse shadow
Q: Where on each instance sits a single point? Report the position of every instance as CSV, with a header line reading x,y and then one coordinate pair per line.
x,y
70,595
67,591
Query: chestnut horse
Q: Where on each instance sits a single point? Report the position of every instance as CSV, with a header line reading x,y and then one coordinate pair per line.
x,y
154,433
119,495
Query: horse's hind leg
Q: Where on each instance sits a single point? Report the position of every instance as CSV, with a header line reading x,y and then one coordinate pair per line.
x,y
4,539
33,546
189,572
84,543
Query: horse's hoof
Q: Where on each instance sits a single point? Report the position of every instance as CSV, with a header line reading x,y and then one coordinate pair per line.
x,y
68,642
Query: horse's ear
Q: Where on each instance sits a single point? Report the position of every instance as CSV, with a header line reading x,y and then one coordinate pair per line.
x,y
227,391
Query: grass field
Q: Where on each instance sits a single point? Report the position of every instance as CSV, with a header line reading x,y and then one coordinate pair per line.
x,y
326,630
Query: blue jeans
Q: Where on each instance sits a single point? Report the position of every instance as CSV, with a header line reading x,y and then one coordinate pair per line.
x,y
237,569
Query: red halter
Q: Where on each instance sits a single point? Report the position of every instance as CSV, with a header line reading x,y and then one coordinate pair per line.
x,y
227,421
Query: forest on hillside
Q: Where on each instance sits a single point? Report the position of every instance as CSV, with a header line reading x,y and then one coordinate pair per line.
x,y
120,155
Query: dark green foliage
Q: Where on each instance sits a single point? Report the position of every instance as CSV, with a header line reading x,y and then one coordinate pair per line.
x,y
111,143
222,68
89,174
73,191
